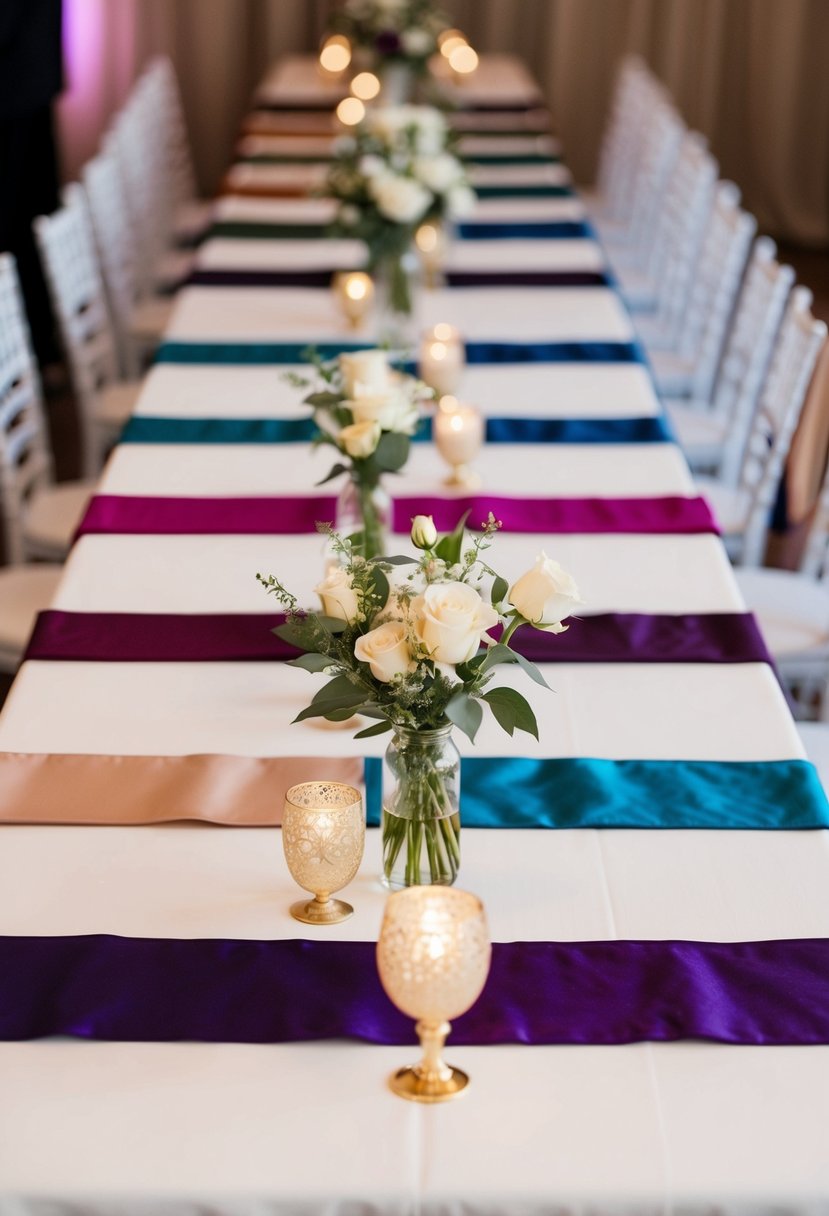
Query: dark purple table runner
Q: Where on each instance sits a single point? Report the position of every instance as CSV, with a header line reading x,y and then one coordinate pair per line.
x,y
125,514
717,637
167,990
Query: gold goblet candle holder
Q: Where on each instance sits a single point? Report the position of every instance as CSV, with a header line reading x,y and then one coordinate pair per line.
x,y
433,957
442,358
432,244
323,834
458,434
354,292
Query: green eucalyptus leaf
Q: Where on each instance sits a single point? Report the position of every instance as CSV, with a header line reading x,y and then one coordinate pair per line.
x,y
310,662
379,728
392,451
381,585
500,588
322,399
465,713
332,623
512,712
531,670
449,547
335,471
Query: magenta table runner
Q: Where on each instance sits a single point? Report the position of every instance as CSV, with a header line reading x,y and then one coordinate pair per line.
x,y
716,637
109,513
165,990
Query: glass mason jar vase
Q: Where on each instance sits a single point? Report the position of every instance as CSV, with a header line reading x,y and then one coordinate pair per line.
x,y
363,514
421,808
396,278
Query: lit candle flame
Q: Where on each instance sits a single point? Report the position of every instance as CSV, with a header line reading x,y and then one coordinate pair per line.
x,y
350,111
335,55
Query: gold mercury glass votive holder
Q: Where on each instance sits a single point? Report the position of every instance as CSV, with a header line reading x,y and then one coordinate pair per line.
x,y
458,431
323,835
433,957
354,293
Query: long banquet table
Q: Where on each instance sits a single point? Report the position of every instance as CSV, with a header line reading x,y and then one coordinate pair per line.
x,y
242,1127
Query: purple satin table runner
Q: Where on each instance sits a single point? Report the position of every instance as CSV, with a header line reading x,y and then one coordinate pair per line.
x,y
717,637
166,990
133,515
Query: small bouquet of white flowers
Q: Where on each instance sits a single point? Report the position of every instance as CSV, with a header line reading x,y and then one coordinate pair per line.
x,y
411,650
391,31
368,412
394,173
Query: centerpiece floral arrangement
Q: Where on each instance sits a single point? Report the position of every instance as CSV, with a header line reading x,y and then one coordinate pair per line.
x,y
400,32
368,412
405,642
396,172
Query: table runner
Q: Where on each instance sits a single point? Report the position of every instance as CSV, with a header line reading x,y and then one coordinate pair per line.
x,y
468,230
514,793
179,351
146,428
454,278
139,989
151,637
128,514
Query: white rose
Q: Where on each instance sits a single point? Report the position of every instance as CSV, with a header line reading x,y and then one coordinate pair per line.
x,y
450,619
438,172
386,651
392,411
461,201
365,372
339,599
360,439
400,199
417,42
545,595
424,534
370,166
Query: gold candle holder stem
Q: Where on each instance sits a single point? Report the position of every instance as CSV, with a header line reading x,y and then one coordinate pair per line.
x,y
464,477
432,1079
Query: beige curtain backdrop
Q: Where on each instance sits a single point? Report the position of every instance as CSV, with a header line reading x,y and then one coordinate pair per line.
x,y
750,74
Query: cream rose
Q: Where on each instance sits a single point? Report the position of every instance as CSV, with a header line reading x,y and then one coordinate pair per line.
x,y
360,439
545,595
438,172
365,372
449,620
461,201
400,199
339,599
392,411
424,534
386,651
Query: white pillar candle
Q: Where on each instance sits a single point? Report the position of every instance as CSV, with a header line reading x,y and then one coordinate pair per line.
x,y
442,358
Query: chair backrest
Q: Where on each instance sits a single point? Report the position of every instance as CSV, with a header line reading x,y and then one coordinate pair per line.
x,y
778,410
25,459
140,153
161,83
716,283
679,233
660,149
748,350
115,242
623,136
67,250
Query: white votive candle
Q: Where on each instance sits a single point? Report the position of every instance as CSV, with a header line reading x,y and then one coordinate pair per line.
x,y
355,292
442,358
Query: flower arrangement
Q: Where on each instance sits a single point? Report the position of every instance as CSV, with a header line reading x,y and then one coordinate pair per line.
x,y
368,412
391,31
411,650
395,172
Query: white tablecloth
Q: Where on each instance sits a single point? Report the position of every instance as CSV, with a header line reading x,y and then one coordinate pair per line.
x,y
133,1129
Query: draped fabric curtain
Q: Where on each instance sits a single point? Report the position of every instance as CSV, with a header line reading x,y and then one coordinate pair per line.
x,y
750,74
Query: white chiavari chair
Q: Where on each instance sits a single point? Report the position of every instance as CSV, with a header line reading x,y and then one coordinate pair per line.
x,y
26,486
792,607
629,242
67,250
701,327
744,499
711,425
622,139
138,323
189,215
662,286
